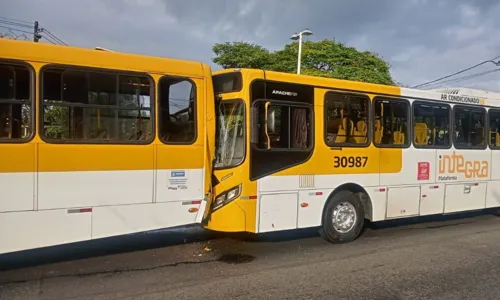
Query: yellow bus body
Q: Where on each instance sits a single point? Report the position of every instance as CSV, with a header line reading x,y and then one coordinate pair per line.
x,y
72,188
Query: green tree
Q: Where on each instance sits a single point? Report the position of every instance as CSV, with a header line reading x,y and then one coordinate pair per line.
x,y
326,58
241,55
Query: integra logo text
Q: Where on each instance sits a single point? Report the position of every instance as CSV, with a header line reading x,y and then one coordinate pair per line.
x,y
284,93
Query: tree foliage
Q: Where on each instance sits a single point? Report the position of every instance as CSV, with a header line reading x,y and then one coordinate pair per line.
x,y
241,55
326,58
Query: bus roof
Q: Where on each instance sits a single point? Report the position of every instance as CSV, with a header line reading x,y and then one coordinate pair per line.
x,y
453,95
47,53
469,92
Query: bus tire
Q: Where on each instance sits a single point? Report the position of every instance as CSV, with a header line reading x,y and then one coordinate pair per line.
x,y
343,218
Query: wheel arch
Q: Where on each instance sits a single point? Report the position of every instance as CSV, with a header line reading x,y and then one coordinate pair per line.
x,y
354,188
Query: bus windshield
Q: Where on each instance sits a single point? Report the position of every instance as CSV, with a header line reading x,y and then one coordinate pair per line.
x,y
230,144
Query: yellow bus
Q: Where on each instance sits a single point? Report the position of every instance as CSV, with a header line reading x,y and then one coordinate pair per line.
x,y
297,151
96,144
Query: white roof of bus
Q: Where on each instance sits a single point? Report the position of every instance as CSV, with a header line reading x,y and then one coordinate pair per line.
x,y
469,92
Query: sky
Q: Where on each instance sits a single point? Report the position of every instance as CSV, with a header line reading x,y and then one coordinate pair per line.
x,y
421,39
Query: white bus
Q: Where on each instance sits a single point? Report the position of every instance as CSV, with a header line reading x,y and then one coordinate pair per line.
x,y
311,151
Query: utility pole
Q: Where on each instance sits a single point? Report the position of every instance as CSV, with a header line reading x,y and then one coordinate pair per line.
x,y
36,34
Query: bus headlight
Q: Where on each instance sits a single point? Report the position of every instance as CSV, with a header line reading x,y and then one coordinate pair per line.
x,y
226,197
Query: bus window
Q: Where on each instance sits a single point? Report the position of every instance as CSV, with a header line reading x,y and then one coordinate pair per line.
x,y
469,127
494,122
227,83
96,106
431,125
177,110
282,126
391,123
287,126
15,102
346,119
230,143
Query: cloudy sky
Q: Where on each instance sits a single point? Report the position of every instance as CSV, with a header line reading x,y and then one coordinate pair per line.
x,y
422,39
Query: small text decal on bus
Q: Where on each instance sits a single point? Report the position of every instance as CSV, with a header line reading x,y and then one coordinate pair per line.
x,y
285,93
461,99
456,163
350,161
178,174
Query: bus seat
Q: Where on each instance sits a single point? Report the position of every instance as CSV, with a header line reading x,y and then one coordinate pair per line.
x,y
342,132
360,132
341,135
348,124
378,131
361,126
399,137
420,131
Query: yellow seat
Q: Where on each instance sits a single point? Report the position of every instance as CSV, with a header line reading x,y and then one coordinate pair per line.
x,y
378,131
399,138
420,134
342,133
360,132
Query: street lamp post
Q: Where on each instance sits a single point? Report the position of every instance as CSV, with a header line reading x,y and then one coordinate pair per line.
x,y
298,36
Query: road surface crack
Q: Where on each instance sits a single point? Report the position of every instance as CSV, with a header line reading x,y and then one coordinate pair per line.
x,y
110,272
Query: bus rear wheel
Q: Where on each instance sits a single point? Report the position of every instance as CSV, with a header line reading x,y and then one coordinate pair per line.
x,y
343,218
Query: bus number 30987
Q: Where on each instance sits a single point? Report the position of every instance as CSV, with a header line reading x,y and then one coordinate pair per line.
x,y
350,161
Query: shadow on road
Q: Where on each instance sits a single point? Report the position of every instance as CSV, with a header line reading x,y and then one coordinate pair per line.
x,y
108,246
223,243
425,222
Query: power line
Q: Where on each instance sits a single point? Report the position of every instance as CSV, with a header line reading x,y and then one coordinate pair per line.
x,y
471,76
11,24
459,79
53,36
50,40
15,20
14,29
464,70
15,24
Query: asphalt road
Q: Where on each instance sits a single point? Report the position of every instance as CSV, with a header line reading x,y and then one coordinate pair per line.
x,y
457,259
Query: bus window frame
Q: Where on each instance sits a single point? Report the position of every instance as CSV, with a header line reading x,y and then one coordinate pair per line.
x,y
486,127
289,104
31,101
195,108
408,117
450,123
497,109
369,138
239,76
116,72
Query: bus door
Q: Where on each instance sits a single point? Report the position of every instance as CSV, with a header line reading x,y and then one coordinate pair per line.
x,y
181,151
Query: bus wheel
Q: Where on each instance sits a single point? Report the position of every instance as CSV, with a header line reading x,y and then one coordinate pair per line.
x,y
343,218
